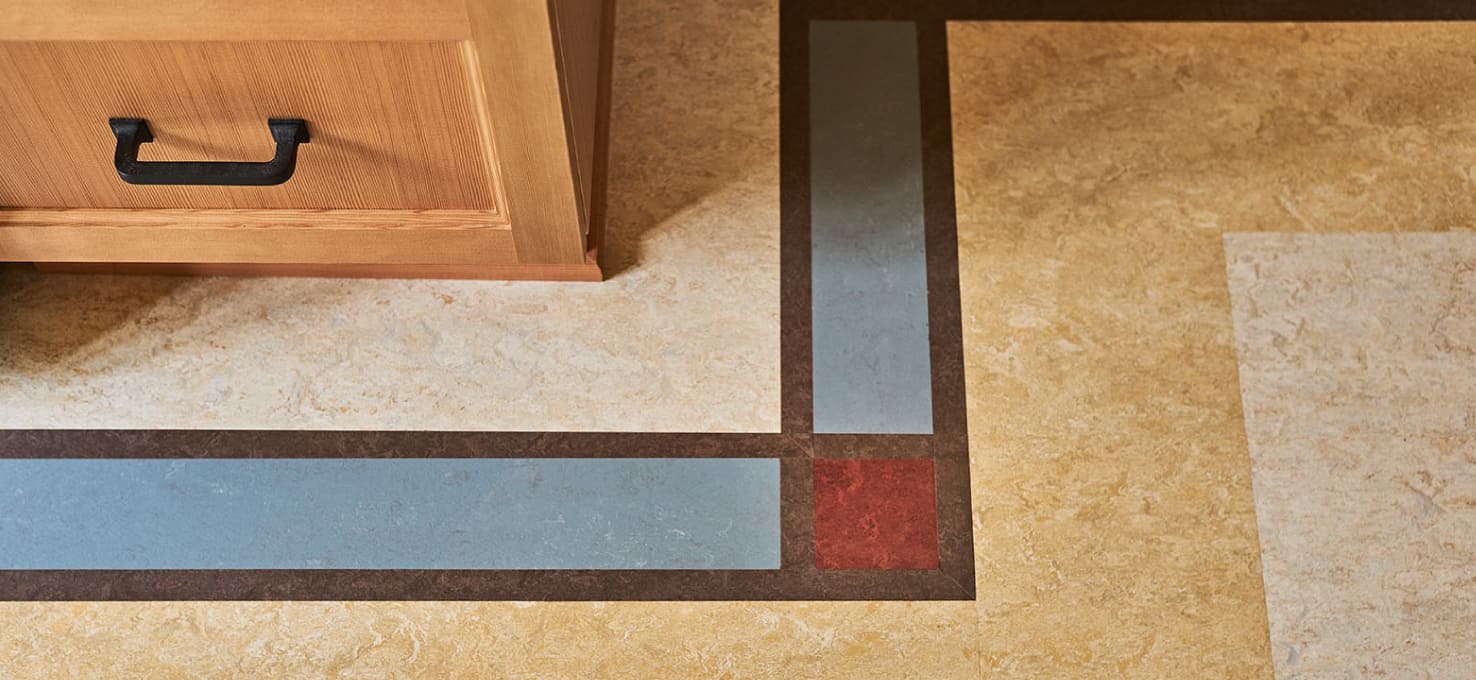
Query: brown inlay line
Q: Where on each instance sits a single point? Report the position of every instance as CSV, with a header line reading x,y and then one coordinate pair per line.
x,y
949,445
370,584
1145,10
438,444
797,516
796,362
393,444
797,579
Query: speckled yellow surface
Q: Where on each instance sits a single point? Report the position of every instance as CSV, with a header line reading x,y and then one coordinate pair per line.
x,y
1113,510
491,640
1098,167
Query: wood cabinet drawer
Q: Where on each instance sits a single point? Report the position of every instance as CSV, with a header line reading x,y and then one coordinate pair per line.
x,y
456,138
393,125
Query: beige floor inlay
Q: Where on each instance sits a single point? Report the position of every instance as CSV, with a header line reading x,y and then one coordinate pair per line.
x,y
685,338
1358,368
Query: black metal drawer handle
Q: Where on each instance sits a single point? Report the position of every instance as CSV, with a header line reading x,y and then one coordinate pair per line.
x,y
131,132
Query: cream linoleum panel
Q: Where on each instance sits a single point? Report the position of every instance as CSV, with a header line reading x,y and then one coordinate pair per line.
x,y
1358,368
685,338
1097,167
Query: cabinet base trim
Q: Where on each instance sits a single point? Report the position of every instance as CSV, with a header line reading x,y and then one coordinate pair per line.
x,y
301,237
588,271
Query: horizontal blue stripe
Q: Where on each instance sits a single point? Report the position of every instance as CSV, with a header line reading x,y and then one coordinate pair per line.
x,y
569,513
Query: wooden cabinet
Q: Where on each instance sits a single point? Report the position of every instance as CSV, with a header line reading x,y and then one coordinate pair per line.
x,y
457,138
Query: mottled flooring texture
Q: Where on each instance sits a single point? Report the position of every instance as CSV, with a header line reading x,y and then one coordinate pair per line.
x,y
1104,173
1220,419
1358,371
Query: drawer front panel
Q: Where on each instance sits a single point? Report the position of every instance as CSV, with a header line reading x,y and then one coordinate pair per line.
x,y
393,124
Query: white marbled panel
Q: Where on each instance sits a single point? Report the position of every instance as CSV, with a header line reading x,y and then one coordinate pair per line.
x,y
1358,372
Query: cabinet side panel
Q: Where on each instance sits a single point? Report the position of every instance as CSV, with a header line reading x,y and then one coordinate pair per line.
x,y
518,65
583,29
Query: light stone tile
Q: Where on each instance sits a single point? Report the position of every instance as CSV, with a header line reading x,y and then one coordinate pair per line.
x,y
1358,370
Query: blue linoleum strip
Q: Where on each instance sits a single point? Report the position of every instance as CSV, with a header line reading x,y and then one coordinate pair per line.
x,y
869,273
390,514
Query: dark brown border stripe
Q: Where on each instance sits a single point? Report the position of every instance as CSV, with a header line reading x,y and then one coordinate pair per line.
x,y
392,444
949,445
476,585
795,339
1146,10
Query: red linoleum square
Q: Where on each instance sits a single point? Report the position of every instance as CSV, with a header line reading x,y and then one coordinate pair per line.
x,y
875,514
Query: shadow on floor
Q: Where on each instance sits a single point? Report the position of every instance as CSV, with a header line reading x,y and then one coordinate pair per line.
x,y
51,319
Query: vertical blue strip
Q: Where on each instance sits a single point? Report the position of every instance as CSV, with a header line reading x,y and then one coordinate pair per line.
x,y
390,514
872,370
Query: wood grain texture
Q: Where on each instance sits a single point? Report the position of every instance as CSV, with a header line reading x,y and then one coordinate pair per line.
x,y
256,236
587,272
516,58
393,125
599,197
475,109
233,20
582,33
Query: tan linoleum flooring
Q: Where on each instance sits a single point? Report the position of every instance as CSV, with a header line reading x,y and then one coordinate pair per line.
x,y
1098,167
